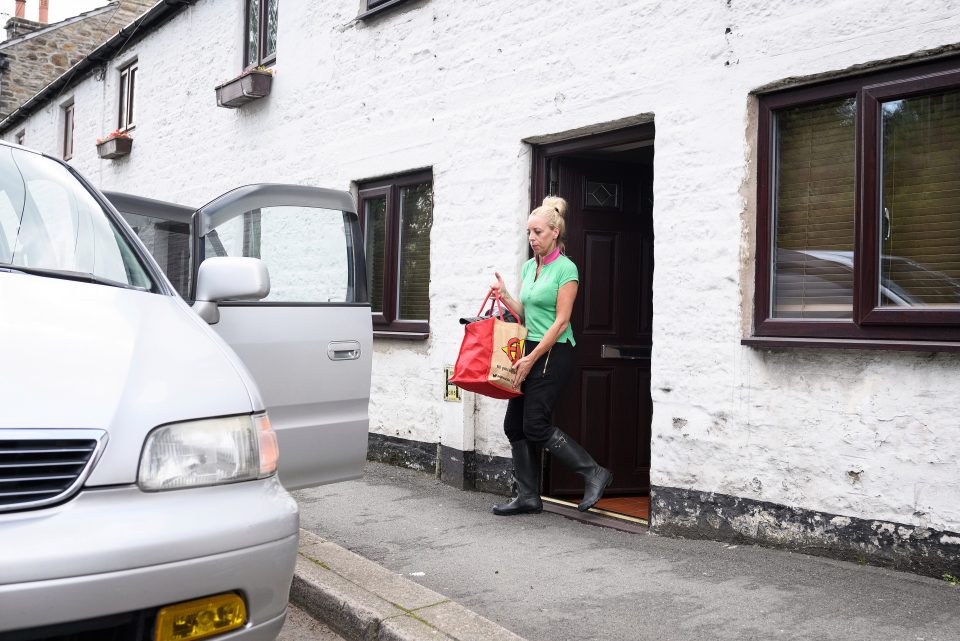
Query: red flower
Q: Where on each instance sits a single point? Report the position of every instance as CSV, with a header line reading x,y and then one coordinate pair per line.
x,y
116,133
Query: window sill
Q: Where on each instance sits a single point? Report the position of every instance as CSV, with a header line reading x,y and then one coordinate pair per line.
x,y
405,336
379,9
764,342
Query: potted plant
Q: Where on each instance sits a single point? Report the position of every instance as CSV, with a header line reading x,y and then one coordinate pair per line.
x,y
114,145
251,85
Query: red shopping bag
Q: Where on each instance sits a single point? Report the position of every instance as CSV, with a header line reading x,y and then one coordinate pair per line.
x,y
490,349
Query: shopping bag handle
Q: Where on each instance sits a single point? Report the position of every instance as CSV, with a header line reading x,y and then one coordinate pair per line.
x,y
498,301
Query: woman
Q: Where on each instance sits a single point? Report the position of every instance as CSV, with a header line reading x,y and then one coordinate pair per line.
x,y
549,283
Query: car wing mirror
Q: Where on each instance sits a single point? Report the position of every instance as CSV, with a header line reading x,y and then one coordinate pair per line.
x,y
229,278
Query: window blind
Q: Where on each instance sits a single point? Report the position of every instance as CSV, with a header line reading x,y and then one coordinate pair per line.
x,y
920,207
814,211
416,219
375,217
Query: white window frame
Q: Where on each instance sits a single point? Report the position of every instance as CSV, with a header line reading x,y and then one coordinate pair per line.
x,y
69,118
126,94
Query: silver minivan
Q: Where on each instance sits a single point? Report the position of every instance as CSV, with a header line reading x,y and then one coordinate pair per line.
x,y
141,435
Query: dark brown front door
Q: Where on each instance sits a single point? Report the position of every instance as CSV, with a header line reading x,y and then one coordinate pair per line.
x,y
607,406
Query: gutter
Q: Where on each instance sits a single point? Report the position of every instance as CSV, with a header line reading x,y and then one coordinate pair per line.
x,y
148,22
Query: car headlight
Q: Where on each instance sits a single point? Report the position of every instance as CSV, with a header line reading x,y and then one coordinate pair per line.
x,y
208,452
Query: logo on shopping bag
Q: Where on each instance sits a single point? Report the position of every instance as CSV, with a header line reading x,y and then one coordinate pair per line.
x,y
514,349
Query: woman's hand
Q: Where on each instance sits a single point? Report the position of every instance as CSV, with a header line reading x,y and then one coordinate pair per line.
x,y
499,287
523,367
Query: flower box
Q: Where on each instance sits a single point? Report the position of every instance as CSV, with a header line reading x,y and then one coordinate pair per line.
x,y
245,88
114,147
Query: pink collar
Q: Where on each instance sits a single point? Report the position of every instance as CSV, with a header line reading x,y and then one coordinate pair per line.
x,y
555,254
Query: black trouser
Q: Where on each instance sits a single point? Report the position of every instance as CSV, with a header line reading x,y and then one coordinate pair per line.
x,y
530,416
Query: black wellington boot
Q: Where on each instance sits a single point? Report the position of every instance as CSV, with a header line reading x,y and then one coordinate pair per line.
x,y
526,466
596,478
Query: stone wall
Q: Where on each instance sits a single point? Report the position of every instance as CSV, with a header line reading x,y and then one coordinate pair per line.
x,y
38,58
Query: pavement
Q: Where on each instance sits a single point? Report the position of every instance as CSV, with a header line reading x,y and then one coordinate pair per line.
x,y
301,626
397,555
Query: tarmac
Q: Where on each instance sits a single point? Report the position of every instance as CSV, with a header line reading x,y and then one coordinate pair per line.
x,y
399,556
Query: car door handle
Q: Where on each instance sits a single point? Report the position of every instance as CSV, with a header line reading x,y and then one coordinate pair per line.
x,y
343,350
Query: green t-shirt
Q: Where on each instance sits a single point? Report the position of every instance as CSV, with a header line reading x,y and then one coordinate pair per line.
x,y
539,296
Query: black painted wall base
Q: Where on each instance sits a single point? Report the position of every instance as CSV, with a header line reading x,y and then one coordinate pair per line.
x,y
463,470
707,515
402,452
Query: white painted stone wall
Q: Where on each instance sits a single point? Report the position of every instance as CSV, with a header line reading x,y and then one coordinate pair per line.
x,y
457,87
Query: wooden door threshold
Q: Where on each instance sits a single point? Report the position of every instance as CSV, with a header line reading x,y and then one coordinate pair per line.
x,y
595,516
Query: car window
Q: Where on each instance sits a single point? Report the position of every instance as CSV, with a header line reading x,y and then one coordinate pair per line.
x,y
169,243
308,251
50,222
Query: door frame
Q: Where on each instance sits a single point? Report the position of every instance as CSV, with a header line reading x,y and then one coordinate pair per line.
x,y
579,142
542,184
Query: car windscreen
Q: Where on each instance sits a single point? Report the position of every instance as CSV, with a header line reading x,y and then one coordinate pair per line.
x,y
51,225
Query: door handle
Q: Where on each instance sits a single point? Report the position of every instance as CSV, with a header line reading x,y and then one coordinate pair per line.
x,y
343,350
626,352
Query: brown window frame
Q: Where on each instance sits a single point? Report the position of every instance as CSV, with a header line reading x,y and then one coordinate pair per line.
x,y
870,326
263,59
126,94
69,113
386,322
373,8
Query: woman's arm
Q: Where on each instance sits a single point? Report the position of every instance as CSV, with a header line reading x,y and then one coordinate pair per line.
x,y
565,297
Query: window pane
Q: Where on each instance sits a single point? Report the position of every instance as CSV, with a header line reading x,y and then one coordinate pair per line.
x,y
416,218
131,85
920,209
169,243
814,211
374,224
122,118
270,46
308,251
68,132
253,32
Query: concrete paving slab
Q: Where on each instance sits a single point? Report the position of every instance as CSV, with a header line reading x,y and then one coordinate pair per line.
x,y
347,608
463,624
379,581
365,602
300,626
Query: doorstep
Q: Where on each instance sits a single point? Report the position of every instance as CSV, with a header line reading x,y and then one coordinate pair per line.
x,y
361,600
596,516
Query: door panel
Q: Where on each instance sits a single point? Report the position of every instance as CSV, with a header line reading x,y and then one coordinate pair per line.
x,y
309,343
610,238
316,400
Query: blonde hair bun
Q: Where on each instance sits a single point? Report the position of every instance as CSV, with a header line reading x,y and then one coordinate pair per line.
x,y
556,202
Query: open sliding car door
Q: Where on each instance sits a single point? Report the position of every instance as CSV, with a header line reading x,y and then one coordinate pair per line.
x,y
309,343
